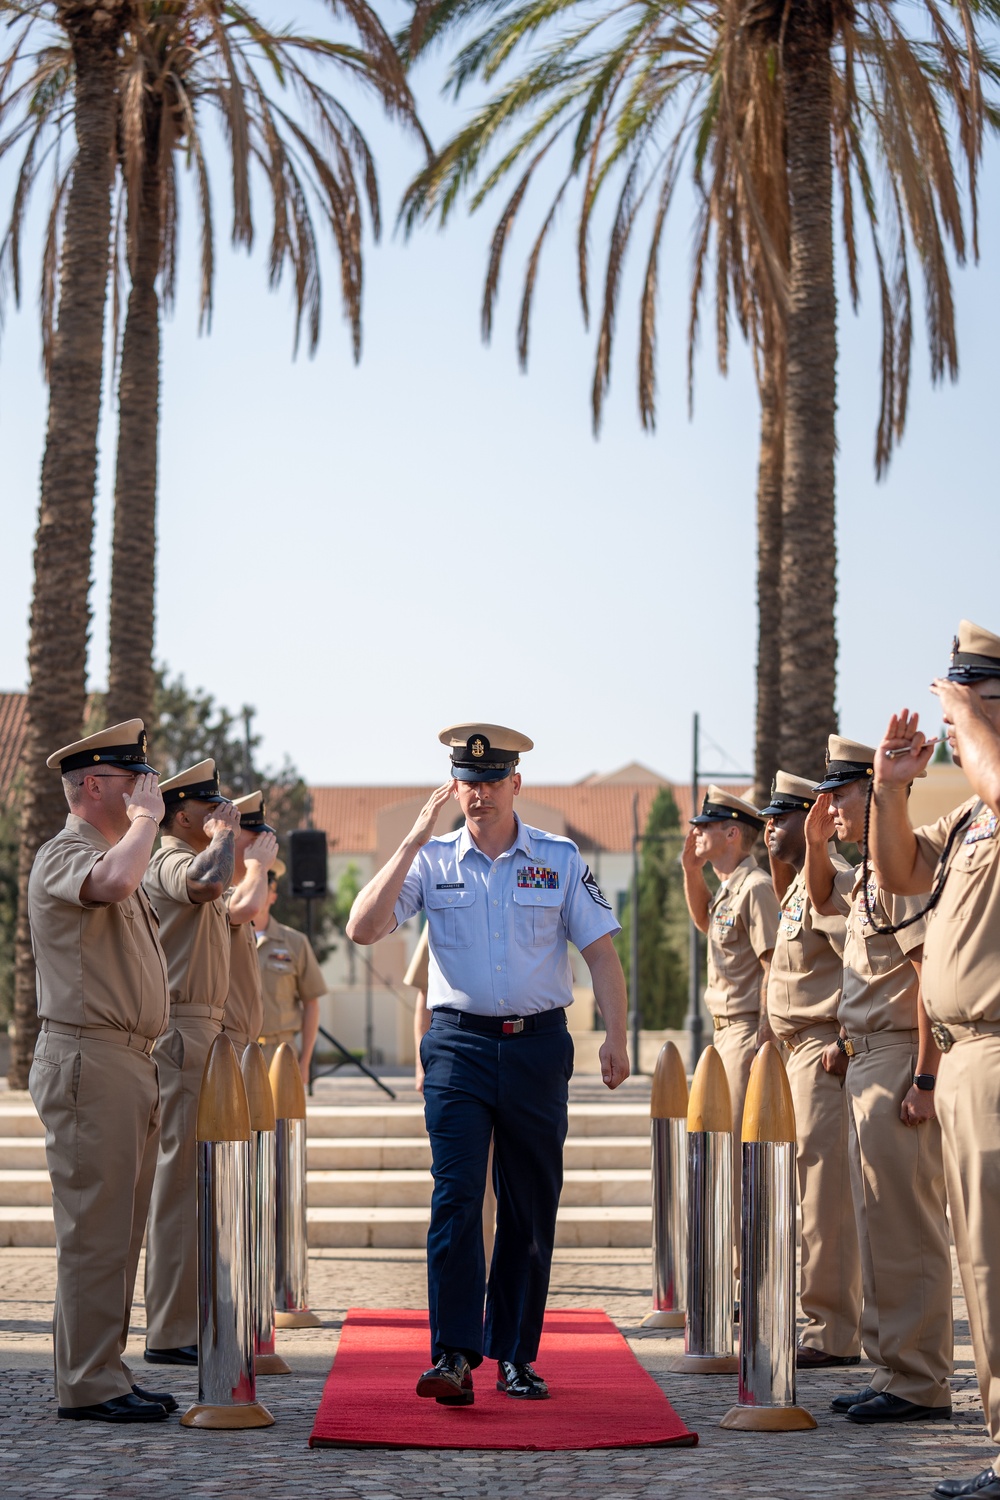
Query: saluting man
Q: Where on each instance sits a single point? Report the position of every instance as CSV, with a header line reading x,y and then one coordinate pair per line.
x,y
803,994
103,1001
186,880
958,860
897,1175
256,851
502,900
291,980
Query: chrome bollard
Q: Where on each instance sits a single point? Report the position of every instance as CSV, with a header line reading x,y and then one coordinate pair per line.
x,y
767,1266
708,1327
226,1390
262,1158
668,1107
291,1295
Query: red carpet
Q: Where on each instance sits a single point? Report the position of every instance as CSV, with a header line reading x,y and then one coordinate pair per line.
x,y
601,1396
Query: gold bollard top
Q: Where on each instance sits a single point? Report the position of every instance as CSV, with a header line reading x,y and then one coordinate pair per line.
x,y
287,1086
223,1114
258,1087
669,1098
768,1114
711,1105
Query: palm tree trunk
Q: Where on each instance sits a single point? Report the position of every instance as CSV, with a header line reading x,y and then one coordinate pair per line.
x,y
769,470
133,563
60,613
808,654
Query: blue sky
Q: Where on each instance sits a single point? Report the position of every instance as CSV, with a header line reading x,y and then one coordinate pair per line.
x,y
367,554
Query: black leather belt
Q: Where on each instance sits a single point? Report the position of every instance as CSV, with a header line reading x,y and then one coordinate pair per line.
x,y
546,1020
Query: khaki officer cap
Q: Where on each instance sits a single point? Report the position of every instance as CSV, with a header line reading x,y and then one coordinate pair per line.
x,y
483,752
846,760
975,654
251,811
121,745
198,783
722,807
789,794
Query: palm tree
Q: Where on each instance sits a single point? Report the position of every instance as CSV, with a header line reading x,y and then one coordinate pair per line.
x,y
631,91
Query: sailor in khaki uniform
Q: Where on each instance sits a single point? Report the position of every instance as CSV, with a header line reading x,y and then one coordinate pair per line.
x,y
740,920
102,999
256,851
897,1175
185,882
958,860
291,980
803,993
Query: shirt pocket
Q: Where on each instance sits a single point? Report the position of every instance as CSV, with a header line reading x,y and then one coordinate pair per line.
x,y
536,916
451,915
883,952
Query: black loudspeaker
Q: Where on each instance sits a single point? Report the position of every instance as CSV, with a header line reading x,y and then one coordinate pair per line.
x,y
307,861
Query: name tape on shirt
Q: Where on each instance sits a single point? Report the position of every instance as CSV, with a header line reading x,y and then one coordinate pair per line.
x,y
537,878
595,890
450,885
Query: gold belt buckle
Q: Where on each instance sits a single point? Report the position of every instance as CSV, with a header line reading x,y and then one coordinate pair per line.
x,y
942,1036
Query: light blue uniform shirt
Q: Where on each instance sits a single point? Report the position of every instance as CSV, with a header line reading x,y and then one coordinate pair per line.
x,y
498,928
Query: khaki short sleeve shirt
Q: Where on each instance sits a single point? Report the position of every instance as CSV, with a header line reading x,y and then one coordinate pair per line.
x,y
807,964
195,936
289,976
962,952
881,991
95,965
244,1002
742,923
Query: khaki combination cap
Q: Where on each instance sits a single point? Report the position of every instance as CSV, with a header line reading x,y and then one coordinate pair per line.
x,y
720,806
846,760
483,752
790,794
122,745
276,871
198,783
251,811
975,654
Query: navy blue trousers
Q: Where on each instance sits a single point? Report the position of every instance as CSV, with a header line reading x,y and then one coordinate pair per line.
x,y
514,1089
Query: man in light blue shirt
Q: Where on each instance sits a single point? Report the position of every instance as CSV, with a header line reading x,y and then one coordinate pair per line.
x,y
502,901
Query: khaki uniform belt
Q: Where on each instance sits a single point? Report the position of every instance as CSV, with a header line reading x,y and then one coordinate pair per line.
x,y
103,1034
878,1039
197,1012
721,1022
823,1031
962,1031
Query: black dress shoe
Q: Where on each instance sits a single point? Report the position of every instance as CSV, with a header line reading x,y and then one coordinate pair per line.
x,y
187,1354
985,1486
817,1359
130,1408
162,1398
520,1381
844,1403
887,1408
449,1380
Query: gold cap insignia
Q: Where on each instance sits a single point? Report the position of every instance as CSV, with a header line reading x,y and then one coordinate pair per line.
x,y
477,748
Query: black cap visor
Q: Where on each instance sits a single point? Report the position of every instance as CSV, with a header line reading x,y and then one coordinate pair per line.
x,y
780,805
481,773
843,772
714,813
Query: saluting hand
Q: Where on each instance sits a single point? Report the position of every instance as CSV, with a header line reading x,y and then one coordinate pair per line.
x,y
423,829
263,850
690,859
821,821
912,751
144,799
224,817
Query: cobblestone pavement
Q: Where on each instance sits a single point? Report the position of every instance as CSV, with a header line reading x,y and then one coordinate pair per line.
x,y
47,1459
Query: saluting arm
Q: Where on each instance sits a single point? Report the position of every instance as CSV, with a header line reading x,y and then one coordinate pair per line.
x,y
211,872
250,895
696,891
118,874
373,913
895,852
819,867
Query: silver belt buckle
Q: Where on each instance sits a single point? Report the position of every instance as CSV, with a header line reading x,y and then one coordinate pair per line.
x,y
511,1028
942,1036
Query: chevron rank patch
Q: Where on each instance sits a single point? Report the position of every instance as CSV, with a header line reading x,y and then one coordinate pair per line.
x,y
596,894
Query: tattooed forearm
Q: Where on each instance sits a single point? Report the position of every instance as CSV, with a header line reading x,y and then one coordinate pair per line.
x,y
214,865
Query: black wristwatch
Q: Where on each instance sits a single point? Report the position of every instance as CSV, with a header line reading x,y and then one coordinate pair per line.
x,y
925,1081
845,1045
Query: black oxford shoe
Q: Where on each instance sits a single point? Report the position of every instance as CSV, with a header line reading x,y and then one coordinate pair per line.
x,y
520,1381
818,1359
887,1408
844,1403
187,1354
448,1381
985,1486
162,1398
130,1408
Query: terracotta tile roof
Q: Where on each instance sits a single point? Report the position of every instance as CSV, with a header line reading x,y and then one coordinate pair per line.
x,y
598,813
13,722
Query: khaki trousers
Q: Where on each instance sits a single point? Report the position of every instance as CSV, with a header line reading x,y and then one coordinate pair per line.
x,y
897,1178
830,1279
968,1103
736,1044
99,1104
172,1240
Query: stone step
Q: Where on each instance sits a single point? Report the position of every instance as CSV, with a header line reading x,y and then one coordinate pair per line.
x,y
409,1153
382,1228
